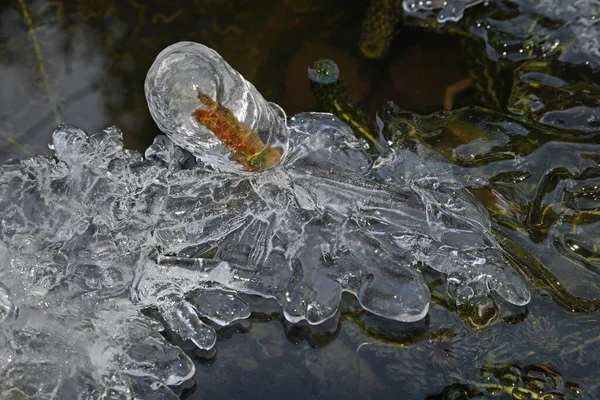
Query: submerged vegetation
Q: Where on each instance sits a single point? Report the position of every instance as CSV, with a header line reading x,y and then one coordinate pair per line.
x,y
327,85
245,145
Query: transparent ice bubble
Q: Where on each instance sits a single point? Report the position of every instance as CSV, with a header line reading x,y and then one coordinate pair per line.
x,y
173,83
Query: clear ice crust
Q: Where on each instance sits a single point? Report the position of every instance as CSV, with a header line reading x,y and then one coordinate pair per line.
x,y
449,10
94,235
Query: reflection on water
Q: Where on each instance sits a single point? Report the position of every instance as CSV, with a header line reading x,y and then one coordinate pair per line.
x,y
84,62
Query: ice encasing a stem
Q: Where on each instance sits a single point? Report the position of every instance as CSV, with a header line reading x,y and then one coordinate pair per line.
x,y
184,70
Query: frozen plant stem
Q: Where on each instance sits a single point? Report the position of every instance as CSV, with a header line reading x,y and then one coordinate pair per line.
x,y
244,144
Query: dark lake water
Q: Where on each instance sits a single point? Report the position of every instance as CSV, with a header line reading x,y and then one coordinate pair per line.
x,y
84,62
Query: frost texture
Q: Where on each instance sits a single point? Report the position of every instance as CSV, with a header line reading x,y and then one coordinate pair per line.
x,y
96,234
449,10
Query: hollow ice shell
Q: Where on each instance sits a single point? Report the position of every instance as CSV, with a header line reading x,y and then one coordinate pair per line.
x,y
450,10
172,86
459,241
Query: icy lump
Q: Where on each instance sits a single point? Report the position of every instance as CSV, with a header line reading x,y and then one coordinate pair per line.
x,y
449,10
93,236
325,220
68,257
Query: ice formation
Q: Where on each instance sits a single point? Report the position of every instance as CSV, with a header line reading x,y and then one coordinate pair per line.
x,y
327,219
96,234
567,30
449,10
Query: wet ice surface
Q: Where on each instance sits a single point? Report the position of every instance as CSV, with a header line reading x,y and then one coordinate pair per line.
x,y
547,50
96,234
540,186
563,29
449,10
